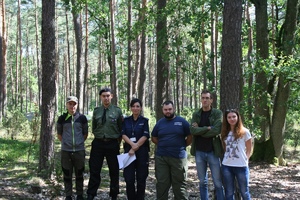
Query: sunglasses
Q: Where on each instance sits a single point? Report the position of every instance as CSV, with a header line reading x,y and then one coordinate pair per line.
x,y
231,110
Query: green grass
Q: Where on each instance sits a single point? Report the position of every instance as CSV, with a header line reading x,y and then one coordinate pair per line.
x,y
15,150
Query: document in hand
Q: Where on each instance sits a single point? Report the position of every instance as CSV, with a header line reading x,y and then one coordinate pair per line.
x,y
125,159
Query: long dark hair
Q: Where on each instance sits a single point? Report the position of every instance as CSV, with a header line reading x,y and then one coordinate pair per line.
x,y
239,130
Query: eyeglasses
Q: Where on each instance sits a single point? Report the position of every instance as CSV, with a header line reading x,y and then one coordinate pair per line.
x,y
231,110
205,98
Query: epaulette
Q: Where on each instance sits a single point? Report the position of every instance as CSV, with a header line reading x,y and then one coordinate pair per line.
x,y
127,117
96,108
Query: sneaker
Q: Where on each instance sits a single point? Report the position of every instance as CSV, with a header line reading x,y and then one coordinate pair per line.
x,y
79,197
68,198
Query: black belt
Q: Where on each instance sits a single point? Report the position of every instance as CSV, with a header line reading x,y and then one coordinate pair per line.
x,y
105,139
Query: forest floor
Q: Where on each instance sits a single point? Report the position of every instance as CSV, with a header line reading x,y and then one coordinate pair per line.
x,y
266,182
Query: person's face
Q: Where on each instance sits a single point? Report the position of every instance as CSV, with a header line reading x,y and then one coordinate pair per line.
x,y
168,111
136,108
232,118
206,100
106,98
72,107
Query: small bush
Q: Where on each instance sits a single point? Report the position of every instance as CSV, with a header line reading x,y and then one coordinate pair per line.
x,y
16,124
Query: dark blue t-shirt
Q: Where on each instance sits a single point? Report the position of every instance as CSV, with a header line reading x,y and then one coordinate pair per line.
x,y
171,136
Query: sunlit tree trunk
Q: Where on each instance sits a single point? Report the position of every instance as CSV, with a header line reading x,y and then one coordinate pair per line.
x,y
137,65
37,50
151,76
214,52
178,98
19,79
48,89
86,69
79,69
3,57
249,56
68,84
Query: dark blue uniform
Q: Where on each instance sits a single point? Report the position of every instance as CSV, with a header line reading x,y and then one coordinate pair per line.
x,y
137,170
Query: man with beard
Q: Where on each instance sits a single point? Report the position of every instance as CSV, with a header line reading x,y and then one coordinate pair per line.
x,y
171,135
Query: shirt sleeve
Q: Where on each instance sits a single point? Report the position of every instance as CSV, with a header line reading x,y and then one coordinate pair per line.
x,y
247,135
146,128
154,131
186,127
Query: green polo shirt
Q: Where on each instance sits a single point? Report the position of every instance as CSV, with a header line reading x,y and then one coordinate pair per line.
x,y
113,125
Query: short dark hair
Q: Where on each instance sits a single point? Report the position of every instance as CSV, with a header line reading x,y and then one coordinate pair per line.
x,y
205,91
133,101
106,89
167,103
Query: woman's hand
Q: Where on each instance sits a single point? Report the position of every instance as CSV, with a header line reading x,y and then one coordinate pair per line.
x,y
131,152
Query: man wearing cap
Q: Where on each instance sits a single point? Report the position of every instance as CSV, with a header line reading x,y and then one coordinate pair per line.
x,y
72,131
106,127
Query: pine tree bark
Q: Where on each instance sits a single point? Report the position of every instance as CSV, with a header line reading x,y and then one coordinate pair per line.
x,y
162,73
231,71
141,87
3,57
48,89
113,68
79,68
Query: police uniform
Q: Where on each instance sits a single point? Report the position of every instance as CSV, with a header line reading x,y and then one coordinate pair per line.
x,y
137,170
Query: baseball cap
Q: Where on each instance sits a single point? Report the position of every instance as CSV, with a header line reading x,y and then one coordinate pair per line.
x,y
72,98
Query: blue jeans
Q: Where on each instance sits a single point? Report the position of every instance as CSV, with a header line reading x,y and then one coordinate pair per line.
x,y
202,160
242,176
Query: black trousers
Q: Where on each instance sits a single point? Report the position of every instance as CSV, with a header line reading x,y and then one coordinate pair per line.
x,y
73,161
100,150
137,173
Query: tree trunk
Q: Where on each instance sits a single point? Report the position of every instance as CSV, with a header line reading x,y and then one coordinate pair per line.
x,y
129,56
231,55
137,66
214,52
113,79
3,75
38,64
86,69
79,68
250,58
162,80
68,60
20,79
48,89
203,59
283,91
141,87
261,99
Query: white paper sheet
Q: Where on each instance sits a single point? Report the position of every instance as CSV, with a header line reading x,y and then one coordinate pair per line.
x,y
125,159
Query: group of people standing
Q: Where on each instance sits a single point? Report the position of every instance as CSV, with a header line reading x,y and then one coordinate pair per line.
x,y
209,136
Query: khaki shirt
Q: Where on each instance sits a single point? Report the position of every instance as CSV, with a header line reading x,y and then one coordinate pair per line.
x,y
113,125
